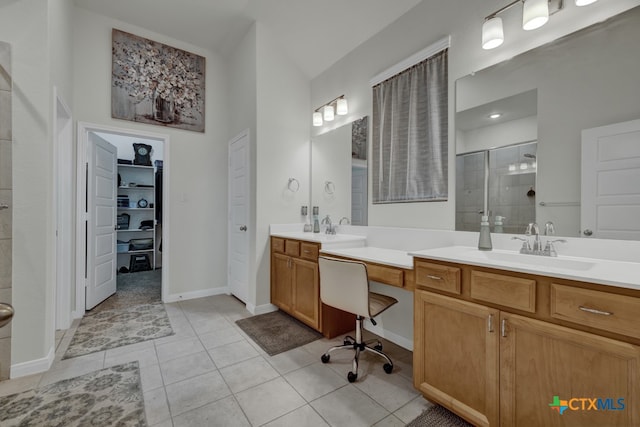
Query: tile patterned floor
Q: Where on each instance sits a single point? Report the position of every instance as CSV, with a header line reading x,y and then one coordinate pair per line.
x,y
211,373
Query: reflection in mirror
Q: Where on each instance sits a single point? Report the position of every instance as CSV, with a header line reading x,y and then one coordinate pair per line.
x,y
501,182
585,80
339,173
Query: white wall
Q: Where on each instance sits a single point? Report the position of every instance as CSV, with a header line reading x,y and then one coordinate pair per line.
x,y
423,25
282,148
498,135
197,161
24,25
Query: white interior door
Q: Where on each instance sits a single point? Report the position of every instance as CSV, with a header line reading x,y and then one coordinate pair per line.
x,y
610,203
101,222
238,237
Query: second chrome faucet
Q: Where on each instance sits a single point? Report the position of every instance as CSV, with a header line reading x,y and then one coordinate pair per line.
x,y
536,248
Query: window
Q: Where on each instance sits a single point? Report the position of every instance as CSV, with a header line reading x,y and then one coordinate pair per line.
x,y
410,134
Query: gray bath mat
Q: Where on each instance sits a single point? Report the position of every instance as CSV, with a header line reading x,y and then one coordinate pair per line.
x,y
277,332
108,397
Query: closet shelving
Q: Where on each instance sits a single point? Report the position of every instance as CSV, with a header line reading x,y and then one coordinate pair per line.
x,y
137,183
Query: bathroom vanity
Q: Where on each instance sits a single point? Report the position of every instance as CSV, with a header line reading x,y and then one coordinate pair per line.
x,y
496,345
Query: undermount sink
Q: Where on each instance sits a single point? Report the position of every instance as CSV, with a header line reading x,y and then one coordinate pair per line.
x,y
534,260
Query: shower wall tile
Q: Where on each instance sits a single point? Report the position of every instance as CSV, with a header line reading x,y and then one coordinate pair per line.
x,y
6,180
5,115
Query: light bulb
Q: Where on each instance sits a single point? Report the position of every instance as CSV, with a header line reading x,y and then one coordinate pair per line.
x,y
492,33
535,13
317,118
328,113
341,107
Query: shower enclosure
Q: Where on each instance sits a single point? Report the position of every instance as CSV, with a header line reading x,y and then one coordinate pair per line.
x,y
500,183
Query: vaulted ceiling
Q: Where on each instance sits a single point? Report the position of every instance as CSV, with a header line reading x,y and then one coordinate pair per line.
x,y
315,34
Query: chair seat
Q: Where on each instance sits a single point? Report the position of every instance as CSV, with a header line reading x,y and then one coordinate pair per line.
x,y
379,303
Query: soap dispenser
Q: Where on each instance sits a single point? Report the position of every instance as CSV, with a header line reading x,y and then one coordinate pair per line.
x,y
484,244
316,222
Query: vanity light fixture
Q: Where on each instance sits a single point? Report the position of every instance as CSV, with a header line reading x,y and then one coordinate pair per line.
x,y
535,13
327,112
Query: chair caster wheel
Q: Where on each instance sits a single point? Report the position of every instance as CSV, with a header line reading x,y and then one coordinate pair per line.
x,y
352,377
388,368
325,358
378,347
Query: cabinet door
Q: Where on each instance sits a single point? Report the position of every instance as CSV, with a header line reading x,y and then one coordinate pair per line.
x,y
540,361
281,291
455,356
306,292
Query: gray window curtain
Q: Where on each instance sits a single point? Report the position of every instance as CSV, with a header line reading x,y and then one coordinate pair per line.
x,y
410,134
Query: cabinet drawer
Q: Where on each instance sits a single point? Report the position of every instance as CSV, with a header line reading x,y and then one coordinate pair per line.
x,y
601,310
309,251
292,247
387,275
436,276
277,244
509,291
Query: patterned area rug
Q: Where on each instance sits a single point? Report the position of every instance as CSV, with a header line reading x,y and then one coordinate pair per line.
x,y
437,416
109,397
277,332
134,314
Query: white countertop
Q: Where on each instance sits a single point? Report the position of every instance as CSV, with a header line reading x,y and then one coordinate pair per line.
x,y
604,272
327,240
392,257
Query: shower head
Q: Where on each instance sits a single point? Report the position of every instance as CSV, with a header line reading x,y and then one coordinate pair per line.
x,y
530,156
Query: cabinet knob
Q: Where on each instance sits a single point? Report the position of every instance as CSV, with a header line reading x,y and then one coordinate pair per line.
x,y
243,228
3,206
587,232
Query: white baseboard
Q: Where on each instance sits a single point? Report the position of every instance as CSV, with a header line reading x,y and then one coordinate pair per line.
x,y
261,309
391,336
33,366
196,294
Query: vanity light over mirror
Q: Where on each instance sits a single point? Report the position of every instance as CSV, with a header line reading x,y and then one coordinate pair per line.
x,y
339,173
546,98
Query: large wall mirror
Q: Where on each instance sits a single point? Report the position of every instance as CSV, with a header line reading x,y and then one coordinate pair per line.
x,y
547,97
339,173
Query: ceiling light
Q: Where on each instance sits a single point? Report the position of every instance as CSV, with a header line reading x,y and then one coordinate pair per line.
x,y
495,115
492,33
317,118
535,13
584,2
327,113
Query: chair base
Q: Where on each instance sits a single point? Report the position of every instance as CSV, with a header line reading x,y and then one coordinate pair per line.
x,y
359,346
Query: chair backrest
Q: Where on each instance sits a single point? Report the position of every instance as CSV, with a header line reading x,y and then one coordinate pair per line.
x,y
344,285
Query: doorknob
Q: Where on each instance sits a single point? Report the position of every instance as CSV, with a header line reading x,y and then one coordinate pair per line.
x,y
243,228
6,313
587,232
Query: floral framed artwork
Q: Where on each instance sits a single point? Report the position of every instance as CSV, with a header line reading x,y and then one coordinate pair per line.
x,y
156,84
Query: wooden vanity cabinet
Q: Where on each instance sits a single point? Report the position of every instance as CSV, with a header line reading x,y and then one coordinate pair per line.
x,y
295,287
499,358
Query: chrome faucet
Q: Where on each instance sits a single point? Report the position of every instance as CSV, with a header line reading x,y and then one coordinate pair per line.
x,y
331,229
533,230
537,248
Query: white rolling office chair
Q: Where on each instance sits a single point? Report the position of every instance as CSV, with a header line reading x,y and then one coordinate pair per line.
x,y
345,285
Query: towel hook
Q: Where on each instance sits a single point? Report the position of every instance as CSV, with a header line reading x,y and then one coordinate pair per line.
x,y
293,185
329,187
